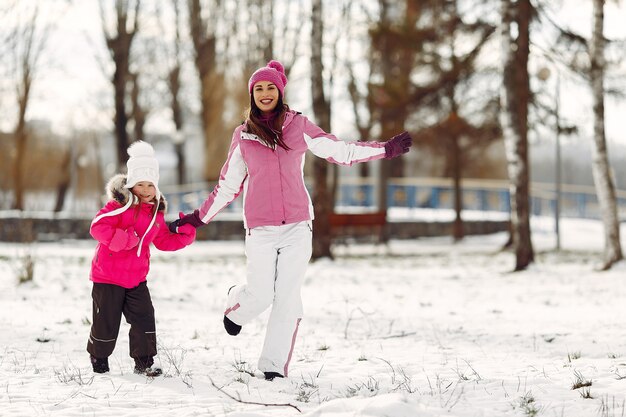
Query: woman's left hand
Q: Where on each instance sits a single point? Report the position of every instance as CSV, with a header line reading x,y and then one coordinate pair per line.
x,y
398,145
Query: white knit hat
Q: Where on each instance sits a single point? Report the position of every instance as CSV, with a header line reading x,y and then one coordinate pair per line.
x,y
142,165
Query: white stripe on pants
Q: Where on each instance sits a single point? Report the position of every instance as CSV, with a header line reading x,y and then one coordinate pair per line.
x,y
278,257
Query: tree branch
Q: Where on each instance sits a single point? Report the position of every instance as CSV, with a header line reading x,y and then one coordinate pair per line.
x,y
239,400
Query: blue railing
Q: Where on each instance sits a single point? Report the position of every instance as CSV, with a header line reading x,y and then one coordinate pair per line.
x,y
432,193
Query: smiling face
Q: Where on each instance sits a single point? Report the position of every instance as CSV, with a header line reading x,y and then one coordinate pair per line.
x,y
145,191
265,94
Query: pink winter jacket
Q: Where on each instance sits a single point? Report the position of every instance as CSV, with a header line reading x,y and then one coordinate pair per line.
x,y
117,265
273,180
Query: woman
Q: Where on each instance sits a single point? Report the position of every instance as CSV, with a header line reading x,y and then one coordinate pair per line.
x,y
266,160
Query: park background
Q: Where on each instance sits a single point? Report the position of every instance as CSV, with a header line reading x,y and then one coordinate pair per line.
x,y
517,114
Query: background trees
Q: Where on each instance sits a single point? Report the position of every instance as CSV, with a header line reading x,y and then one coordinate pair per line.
x,y
120,27
178,71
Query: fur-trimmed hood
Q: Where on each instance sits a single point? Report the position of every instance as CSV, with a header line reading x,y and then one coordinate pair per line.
x,y
116,190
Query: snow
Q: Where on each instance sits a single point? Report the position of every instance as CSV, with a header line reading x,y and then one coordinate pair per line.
x,y
416,328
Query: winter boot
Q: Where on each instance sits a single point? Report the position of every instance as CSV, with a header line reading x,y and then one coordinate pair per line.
x,y
145,366
269,376
99,365
231,327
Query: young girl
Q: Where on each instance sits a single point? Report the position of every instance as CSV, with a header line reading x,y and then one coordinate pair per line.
x,y
266,160
124,228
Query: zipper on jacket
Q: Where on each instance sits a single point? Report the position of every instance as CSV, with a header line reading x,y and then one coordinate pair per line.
x,y
282,194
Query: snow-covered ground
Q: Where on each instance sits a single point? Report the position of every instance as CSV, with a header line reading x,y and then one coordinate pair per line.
x,y
417,328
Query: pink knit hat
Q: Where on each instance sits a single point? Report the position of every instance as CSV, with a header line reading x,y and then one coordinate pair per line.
x,y
273,72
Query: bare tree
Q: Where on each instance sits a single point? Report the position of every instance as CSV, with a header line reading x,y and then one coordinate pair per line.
x,y
174,85
364,122
28,43
321,109
605,186
260,42
203,22
138,112
467,122
119,43
515,96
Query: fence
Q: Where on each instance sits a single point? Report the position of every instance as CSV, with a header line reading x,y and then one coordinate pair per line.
x,y
434,193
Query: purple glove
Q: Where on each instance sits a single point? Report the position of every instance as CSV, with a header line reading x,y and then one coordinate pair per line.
x,y
192,219
398,145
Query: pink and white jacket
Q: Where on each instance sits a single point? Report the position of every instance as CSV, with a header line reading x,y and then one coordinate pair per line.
x,y
272,181
118,260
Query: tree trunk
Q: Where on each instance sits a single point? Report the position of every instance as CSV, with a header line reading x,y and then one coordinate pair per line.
x,y
30,49
177,117
21,137
321,109
212,88
455,154
138,113
603,180
119,47
174,84
64,183
120,78
515,96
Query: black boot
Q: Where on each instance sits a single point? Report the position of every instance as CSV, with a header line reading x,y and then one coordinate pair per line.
x,y
145,366
269,376
99,365
231,327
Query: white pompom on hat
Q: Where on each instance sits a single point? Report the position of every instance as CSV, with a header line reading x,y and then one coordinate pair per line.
x,y
142,165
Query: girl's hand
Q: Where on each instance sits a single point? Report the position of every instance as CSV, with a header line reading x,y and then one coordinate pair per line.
x,y
188,232
133,239
123,240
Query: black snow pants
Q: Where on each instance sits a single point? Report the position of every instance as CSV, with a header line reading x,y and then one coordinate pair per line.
x,y
109,303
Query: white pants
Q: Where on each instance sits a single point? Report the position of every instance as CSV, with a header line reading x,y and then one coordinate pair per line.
x,y
277,260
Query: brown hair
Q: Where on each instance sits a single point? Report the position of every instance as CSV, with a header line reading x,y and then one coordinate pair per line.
x,y
270,134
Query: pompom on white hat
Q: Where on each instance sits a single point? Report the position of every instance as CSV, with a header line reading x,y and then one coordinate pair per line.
x,y
142,165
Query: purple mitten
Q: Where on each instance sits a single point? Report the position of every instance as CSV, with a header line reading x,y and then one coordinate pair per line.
x,y
191,218
398,145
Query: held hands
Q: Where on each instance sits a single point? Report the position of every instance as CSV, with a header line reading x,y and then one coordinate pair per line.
x,y
398,145
192,219
124,240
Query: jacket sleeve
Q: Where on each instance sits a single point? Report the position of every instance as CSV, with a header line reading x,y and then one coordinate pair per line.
x,y
230,184
167,241
327,146
106,227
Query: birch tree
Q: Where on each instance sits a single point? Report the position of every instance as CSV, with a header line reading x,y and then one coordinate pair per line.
x,y
514,99
604,183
